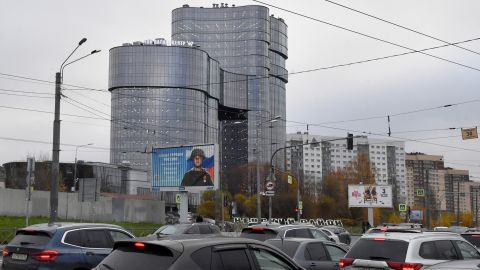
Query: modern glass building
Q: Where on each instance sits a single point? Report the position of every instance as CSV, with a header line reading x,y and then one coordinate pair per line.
x,y
245,40
221,83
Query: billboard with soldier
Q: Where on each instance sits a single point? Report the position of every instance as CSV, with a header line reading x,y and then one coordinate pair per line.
x,y
187,168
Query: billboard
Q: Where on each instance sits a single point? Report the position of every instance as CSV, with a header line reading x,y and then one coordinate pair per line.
x,y
370,196
189,168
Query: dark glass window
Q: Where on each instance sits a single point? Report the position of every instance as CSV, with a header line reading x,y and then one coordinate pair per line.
x,y
30,238
75,238
118,235
438,250
97,239
386,250
468,252
315,252
267,261
299,233
336,253
203,257
193,230
204,229
235,259
127,258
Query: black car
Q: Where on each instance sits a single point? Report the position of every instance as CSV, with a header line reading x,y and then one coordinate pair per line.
x,y
196,254
311,253
265,232
187,229
61,246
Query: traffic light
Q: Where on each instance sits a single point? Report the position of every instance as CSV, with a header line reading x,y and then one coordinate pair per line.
x,y
349,141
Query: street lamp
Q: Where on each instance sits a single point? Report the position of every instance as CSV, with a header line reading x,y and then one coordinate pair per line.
x,y
56,135
259,187
75,180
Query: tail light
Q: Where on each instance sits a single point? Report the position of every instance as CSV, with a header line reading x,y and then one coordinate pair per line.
x,y
5,252
404,266
139,245
344,262
46,256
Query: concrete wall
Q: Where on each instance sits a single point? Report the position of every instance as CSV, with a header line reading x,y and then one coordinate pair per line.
x,y
12,203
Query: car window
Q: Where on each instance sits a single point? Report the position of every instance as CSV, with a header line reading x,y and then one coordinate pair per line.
x,y
204,229
30,238
260,234
446,250
298,233
269,261
438,250
203,257
193,230
472,238
75,238
235,259
118,235
315,252
97,239
326,232
290,248
317,234
468,252
379,249
336,253
129,257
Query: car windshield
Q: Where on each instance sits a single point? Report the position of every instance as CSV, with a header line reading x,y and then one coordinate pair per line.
x,y
474,239
172,229
145,258
24,238
379,249
260,234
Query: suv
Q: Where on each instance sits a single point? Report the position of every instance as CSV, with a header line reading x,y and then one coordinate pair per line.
x,y
263,233
196,254
187,229
407,250
61,246
472,237
311,253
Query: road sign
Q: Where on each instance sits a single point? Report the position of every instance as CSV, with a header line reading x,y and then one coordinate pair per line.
x,y
178,198
402,207
269,186
420,192
290,179
469,133
269,193
300,205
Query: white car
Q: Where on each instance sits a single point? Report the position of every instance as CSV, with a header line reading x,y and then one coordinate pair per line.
x,y
330,234
407,250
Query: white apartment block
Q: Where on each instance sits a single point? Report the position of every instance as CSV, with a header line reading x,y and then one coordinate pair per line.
x,y
386,156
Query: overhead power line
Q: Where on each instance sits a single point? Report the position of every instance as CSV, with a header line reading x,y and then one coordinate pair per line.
x,y
368,36
401,26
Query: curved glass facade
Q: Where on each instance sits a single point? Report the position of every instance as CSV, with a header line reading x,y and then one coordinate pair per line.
x,y
245,40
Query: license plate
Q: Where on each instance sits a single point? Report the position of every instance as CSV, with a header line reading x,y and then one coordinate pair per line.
x,y
19,257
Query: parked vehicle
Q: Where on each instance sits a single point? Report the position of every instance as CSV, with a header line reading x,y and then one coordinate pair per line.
x,y
265,232
457,265
330,234
457,229
312,254
407,250
190,229
343,235
197,254
61,246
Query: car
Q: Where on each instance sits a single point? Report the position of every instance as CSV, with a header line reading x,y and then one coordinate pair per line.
x,y
458,229
330,234
61,246
265,232
196,254
343,235
472,237
457,265
441,229
407,250
186,229
311,253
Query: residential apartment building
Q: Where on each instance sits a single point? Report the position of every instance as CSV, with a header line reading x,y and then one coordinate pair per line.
x,y
317,161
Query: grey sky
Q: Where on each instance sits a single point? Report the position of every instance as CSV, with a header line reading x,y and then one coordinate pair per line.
x,y
37,35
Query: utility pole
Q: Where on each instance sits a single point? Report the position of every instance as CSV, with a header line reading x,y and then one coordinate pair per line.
x,y
55,152
298,187
259,188
427,198
30,175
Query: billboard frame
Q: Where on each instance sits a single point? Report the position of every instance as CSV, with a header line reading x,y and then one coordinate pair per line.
x,y
191,189
366,205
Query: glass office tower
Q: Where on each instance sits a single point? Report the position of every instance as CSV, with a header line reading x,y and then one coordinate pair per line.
x,y
245,40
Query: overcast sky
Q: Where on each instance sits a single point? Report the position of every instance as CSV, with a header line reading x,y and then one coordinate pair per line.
x,y
36,36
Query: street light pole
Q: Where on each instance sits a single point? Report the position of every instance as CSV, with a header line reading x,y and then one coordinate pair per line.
x,y
75,168
56,136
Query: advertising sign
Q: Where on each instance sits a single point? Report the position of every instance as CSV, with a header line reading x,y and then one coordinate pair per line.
x,y
416,215
370,196
469,133
187,168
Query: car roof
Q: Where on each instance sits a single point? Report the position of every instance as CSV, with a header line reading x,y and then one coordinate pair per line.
x,y
67,226
408,235
300,240
193,243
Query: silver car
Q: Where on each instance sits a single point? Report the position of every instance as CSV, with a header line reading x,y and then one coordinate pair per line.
x,y
407,250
